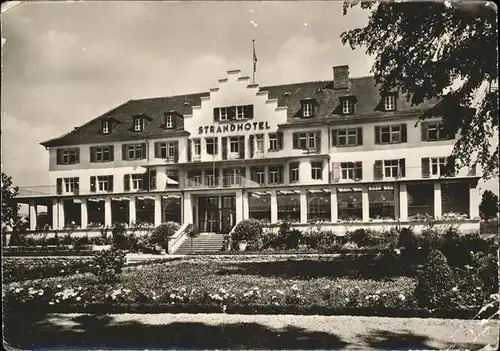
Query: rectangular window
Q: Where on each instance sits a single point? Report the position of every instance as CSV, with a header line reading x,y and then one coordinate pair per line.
x,y
103,183
240,112
389,103
307,109
259,143
71,184
390,134
351,170
258,175
273,142
212,145
317,170
438,165
275,175
197,146
347,107
347,137
134,151
68,156
391,168
101,153
223,114
234,144
305,140
138,124
435,131
294,172
137,181
169,121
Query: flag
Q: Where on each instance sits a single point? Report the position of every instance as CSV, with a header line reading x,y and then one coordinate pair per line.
x,y
254,58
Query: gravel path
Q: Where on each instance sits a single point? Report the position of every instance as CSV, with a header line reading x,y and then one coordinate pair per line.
x,y
208,331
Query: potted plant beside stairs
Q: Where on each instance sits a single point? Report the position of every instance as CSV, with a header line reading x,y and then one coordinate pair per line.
x,y
192,232
248,230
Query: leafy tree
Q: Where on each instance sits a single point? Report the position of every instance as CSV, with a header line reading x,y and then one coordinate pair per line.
x,y
489,205
442,51
10,208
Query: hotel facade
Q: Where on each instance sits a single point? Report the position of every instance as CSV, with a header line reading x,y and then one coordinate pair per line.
x,y
336,151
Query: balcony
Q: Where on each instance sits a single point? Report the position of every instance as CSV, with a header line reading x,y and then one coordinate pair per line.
x,y
48,190
211,182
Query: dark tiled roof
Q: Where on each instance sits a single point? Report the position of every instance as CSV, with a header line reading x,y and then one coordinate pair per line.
x,y
290,95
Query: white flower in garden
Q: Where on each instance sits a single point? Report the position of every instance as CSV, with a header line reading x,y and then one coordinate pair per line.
x,y
367,297
281,292
222,290
172,296
478,288
397,251
454,289
326,287
59,286
295,287
346,299
401,297
378,292
78,298
79,288
51,303
384,295
40,292
224,308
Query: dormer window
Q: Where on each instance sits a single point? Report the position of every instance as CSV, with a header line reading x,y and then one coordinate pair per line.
x,y
138,124
105,127
169,121
347,107
307,107
389,103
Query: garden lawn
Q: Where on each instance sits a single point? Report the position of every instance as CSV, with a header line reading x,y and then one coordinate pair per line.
x,y
284,284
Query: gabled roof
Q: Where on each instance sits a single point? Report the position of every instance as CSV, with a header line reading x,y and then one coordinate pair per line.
x,y
289,95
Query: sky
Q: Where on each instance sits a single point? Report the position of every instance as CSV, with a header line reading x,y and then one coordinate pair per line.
x,y
65,63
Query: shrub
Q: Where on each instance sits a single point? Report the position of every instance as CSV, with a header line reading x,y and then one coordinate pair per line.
x,y
120,240
108,264
487,270
329,242
79,242
435,282
292,239
162,233
247,230
269,239
431,239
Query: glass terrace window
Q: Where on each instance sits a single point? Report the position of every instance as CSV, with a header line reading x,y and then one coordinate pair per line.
x,y
349,203
381,202
288,205
318,206
259,205
389,103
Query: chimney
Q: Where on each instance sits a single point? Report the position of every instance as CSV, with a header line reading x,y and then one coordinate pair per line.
x,y
341,77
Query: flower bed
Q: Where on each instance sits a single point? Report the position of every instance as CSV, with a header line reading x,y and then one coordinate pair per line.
x,y
17,269
231,287
48,250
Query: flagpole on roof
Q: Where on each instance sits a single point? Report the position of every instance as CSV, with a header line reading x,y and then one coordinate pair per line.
x,y
254,61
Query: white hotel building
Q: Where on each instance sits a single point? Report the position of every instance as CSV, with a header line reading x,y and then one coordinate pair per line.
x,y
336,151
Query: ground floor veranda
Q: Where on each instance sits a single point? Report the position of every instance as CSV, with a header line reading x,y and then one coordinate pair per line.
x,y
218,210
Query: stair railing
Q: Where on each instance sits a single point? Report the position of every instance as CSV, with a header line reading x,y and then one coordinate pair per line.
x,y
176,240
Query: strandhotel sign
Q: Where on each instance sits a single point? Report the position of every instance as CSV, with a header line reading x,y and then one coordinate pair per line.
x,y
235,127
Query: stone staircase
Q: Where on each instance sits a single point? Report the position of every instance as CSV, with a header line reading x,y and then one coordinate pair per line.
x,y
205,242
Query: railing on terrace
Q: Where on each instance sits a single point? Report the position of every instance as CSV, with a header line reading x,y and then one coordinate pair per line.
x,y
42,190
210,181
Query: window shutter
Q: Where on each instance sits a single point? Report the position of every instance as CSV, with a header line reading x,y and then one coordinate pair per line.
x,y
378,170
126,182
59,156
423,130
110,183
360,136
426,170
174,120
377,135
152,179
77,155
216,145
157,150
336,172
403,133
92,154
93,184
124,152
111,153
252,146
224,148
216,113
318,141
242,147
231,113
248,111
334,137
59,186
402,168
358,170
290,168
189,149
176,151
280,173
77,186
280,138
144,151
295,140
